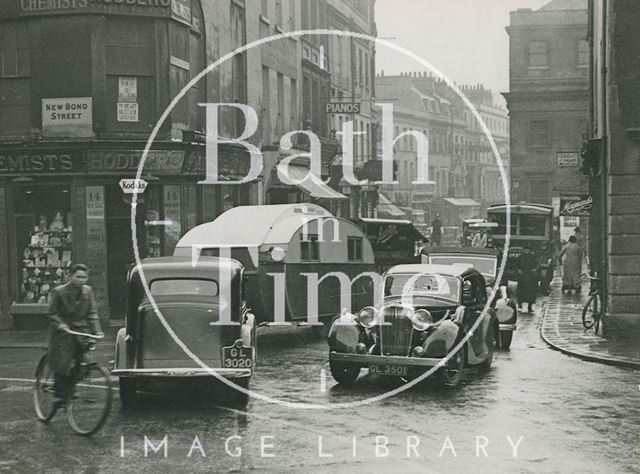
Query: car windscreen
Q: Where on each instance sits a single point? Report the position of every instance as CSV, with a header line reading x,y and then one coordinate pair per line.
x,y
532,225
184,287
485,265
422,284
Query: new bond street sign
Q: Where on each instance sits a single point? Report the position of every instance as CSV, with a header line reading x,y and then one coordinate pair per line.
x,y
342,108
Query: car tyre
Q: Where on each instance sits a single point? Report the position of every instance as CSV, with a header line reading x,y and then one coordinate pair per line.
x,y
128,392
450,377
505,339
345,374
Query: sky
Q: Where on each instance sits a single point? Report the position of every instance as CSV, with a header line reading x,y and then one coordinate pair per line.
x,y
465,39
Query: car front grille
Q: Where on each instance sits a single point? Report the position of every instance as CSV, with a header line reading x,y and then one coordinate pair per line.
x,y
396,333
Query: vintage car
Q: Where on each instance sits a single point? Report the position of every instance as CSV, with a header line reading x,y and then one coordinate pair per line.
x,y
487,262
203,304
427,312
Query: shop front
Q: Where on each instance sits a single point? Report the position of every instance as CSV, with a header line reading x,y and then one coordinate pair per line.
x,y
63,205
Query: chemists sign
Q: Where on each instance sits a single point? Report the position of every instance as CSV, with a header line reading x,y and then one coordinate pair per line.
x,y
70,116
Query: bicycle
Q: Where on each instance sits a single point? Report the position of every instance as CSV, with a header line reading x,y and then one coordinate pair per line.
x,y
87,402
593,309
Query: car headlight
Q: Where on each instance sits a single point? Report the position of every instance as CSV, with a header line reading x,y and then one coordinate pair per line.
x,y
422,319
368,317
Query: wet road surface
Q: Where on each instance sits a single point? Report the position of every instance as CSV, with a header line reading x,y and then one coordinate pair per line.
x,y
535,410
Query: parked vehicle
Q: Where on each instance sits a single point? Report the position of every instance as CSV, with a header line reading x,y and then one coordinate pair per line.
x,y
289,251
197,299
530,224
426,313
487,262
393,241
470,227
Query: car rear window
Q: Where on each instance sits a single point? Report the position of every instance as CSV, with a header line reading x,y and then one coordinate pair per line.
x,y
485,265
184,286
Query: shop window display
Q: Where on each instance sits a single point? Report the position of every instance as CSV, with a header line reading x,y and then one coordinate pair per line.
x,y
45,247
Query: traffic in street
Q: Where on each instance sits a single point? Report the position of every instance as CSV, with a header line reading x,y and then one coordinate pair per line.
x,y
528,412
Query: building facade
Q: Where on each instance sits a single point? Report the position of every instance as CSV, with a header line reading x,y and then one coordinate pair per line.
x,y
547,99
465,174
610,160
82,85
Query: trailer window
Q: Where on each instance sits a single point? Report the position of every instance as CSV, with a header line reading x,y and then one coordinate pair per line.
x,y
501,219
354,249
309,248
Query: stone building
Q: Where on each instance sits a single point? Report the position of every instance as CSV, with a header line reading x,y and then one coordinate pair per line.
x,y
547,99
463,169
610,160
82,85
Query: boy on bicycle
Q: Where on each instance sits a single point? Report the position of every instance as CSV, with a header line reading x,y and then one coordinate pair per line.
x,y
73,306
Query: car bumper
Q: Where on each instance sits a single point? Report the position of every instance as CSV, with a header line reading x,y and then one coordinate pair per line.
x,y
364,360
507,327
183,372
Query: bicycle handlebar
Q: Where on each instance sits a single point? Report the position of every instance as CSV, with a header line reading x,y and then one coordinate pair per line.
x,y
76,333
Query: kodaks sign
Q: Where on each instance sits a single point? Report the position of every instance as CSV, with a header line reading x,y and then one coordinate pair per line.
x,y
576,205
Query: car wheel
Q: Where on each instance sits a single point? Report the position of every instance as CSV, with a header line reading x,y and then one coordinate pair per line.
x,y
345,374
505,339
450,376
128,392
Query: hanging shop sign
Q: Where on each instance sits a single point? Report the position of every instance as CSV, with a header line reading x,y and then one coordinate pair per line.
x,y
120,161
39,161
132,186
576,204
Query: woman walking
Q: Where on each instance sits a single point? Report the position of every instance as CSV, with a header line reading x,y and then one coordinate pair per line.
x,y
572,253
528,271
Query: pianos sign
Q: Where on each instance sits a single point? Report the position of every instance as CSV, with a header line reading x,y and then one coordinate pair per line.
x,y
576,205
343,107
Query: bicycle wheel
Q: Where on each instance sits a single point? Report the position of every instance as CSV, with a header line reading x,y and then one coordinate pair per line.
x,y
90,403
589,312
44,398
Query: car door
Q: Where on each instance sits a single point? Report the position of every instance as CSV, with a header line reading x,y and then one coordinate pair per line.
x,y
474,298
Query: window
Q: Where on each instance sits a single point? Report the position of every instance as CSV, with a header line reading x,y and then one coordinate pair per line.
x,y
294,104
538,54
281,112
309,248
185,286
539,133
354,249
264,8
583,53
266,106
15,55
292,15
279,17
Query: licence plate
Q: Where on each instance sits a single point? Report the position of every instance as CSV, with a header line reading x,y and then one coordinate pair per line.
x,y
397,370
237,357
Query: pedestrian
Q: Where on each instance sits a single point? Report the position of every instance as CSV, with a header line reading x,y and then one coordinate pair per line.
x,y
73,306
572,253
436,231
480,239
528,271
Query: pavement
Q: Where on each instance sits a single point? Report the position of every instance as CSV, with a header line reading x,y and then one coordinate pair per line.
x,y
562,329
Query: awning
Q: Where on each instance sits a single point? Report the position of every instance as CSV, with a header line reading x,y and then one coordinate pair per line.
x,y
385,206
462,202
308,182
